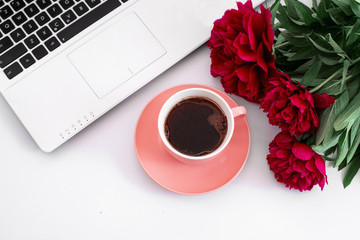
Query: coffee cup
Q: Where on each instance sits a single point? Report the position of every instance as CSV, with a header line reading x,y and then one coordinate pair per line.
x,y
202,99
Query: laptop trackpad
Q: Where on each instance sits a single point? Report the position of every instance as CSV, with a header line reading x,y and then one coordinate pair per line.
x,y
116,54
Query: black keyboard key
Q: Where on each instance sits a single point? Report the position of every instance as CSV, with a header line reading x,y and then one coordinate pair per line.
x,y
88,19
81,8
56,25
19,18
32,41
40,52
42,18
66,4
2,3
68,17
7,26
52,44
27,60
44,33
43,3
30,26
13,70
17,5
5,44
54,10
93,3
11,55
29,1
17,35
6,12
31,10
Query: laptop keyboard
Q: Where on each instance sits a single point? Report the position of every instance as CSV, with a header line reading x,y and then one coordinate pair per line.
x,y
31,29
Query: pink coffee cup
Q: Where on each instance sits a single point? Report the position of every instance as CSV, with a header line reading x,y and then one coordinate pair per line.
x,y
230,113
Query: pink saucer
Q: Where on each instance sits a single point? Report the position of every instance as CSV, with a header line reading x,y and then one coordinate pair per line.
x,y
186,178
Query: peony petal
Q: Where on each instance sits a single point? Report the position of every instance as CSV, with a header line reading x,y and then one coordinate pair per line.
x,y
254,82
256,27
265,12
320,164
283,137
243,39
323,101
249,5
280,104
283,154
243,72
299,166
245,21
310,165
322,183
245,53
229,83
298,102
302,151
309,180
260,58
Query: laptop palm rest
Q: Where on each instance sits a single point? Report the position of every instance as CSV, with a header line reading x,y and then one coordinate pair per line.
x,y
115,55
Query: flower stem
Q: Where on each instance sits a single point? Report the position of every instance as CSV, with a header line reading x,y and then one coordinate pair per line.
x,y
355,61
326,81
333,75
281,45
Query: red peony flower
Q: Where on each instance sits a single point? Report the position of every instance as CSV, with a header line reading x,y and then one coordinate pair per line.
x,y
293,108
295,164
241,43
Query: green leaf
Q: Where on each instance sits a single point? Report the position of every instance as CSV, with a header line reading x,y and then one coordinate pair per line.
x,y
290,7
273,9
318,47
332,87
312,73
302,69
347,119
330,61
335,46
326,128
344,73
352,171
328,158
343,148
334,139
342,165
314,5
345,7
351,111
338,16
330,151
355,7
299,55
351,35
353,88
298,41
305,13
353,147
354,130
288,24
321,11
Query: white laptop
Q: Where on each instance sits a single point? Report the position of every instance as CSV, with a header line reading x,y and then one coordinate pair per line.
x,y
64,63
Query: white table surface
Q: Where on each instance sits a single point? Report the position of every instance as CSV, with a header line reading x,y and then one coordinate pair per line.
x,y
93,187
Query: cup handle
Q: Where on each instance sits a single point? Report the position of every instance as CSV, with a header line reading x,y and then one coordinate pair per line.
x,y
239,111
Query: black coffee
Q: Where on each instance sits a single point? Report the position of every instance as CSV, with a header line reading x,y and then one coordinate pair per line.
x,y
196,126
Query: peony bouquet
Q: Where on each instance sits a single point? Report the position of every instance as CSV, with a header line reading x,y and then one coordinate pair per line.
x,y
302,66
